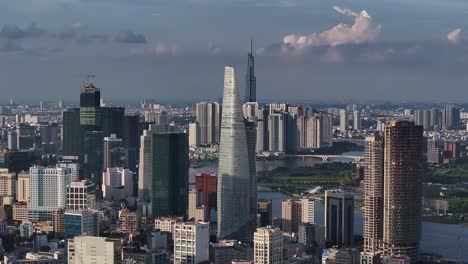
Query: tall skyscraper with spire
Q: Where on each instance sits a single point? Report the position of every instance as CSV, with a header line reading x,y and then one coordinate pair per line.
x,y
251,81
234,180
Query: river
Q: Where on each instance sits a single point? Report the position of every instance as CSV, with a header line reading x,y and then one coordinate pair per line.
x,y
440,239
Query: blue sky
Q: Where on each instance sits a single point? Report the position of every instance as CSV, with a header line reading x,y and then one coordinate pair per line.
x,y
175,50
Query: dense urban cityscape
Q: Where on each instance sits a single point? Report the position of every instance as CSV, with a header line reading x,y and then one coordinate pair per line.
x,y
236,180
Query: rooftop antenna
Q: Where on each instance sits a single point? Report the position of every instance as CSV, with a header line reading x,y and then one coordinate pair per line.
x,y
88,79
251,46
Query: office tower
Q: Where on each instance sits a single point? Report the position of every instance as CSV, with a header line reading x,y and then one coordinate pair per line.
x,y
49,138
433,152
90,116
80,223
92,156
206,183
343,120
131,141
71,132
115,154
81,195
129,221
262,130
452,117
373,192
194,134
403,173
112,121
163,177
251,133
339,217
251,81
12,140
196,210
313,237
234,198
268,246
191,243
89,249
277,132
71,164
291,215
117,183
357,120
26,137
47,191
22,187
7,183
264,213
301,130
209,118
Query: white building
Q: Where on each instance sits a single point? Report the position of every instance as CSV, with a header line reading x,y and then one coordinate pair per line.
x,y
308,210
74,169
191,243
88,249
47,192
194,134
357,120
117,183
167,224
268,246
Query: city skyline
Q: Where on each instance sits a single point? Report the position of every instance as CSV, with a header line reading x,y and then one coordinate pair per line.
x,y
391,55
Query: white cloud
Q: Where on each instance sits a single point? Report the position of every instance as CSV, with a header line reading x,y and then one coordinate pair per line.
x,y
454,36
363,30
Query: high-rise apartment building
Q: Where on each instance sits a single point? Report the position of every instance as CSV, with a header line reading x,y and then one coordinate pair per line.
x,y
343,120
339,217
277,132
357,120
209,118
191,243
89,249
194,134
47,191
403,175
373,192
295,212
234,190
117,183
268,246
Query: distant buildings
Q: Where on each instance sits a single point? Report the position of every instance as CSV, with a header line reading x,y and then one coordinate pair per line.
x,y
209,119
343,120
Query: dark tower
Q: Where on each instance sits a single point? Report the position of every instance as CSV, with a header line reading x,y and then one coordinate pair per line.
x,y
251,81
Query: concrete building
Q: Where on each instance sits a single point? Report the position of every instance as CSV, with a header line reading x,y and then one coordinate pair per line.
x,y
206,183
339,217
308,210
225,251
47,192
191,243
167,224
234,179
343,120
22,187
196,210
7,183
72,164
340,256
20,211
373,192
81,195
194,134
403,175
88,249
313,237
117,183
209,118
268,246
129,222
291,215
357,120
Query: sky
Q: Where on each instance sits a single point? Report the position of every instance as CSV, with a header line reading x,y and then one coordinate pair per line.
x,y
175,50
